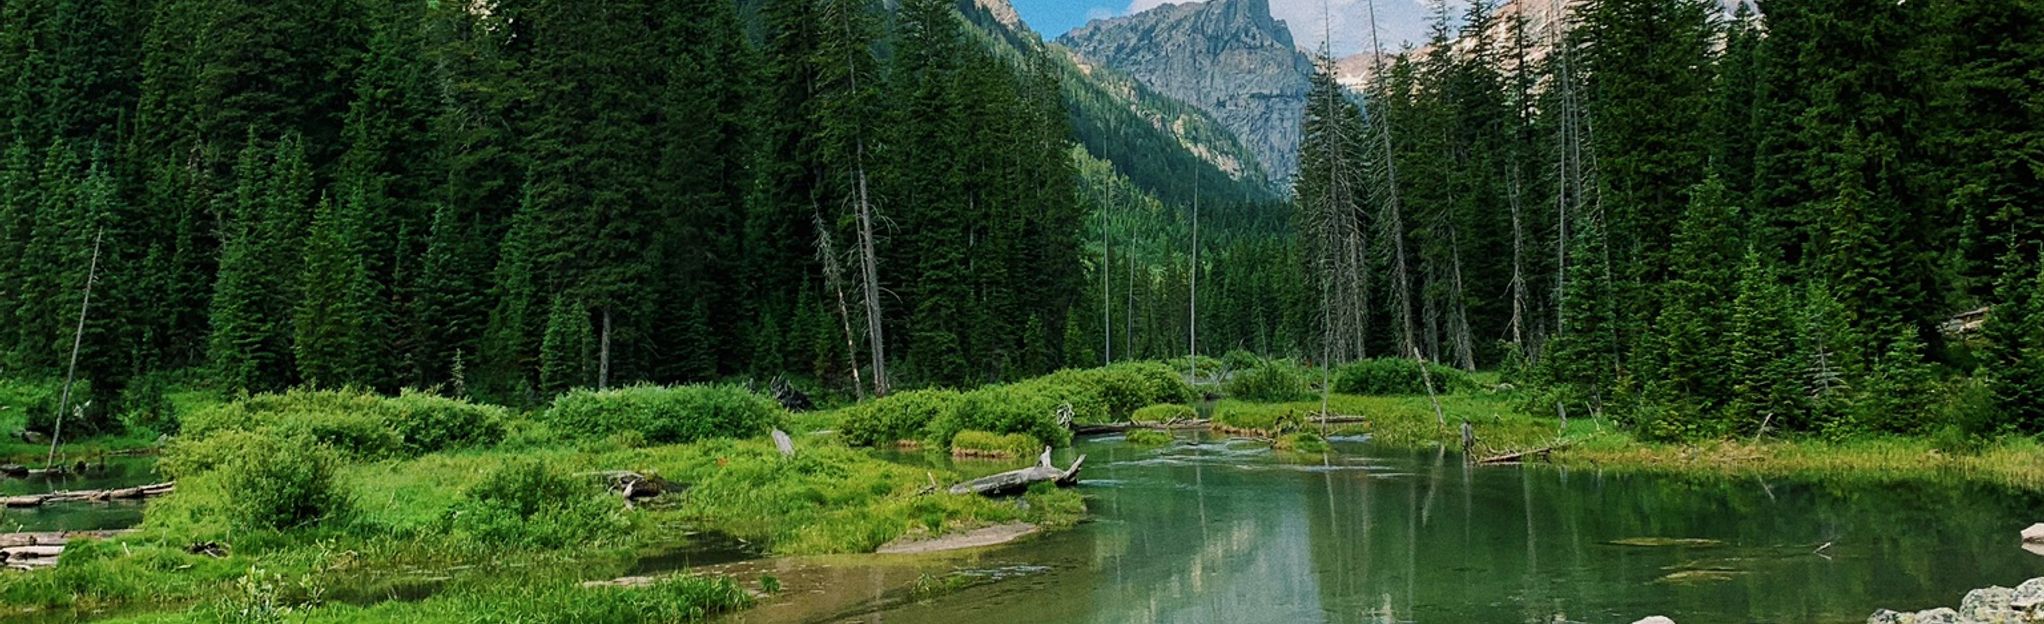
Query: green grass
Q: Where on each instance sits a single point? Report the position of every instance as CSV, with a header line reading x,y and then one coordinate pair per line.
x,y
1302,442
994,445
402,500
1410,421
1169,412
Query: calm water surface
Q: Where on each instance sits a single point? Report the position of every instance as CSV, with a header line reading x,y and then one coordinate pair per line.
x,y
119,472
1219,531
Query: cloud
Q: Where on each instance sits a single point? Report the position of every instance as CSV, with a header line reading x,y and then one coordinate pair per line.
x,y
1101,13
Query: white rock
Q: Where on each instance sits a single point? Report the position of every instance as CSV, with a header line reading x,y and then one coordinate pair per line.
x,y
2034,534
1885,616
1987,605
2028,597
1655,620
1940,615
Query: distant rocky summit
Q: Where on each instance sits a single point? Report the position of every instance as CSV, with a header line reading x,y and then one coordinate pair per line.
x,y
1230,58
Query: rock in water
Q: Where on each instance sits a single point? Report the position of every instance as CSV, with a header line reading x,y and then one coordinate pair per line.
x,y
1655,619
2028,599
2034,534
1885,616
1987,605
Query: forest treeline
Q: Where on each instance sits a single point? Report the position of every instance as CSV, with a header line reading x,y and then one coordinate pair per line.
x,y
510,198
1701,222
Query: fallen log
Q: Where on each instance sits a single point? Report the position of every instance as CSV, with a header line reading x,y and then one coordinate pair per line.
x,y
1513,458
1125,427
1015,481
631,485
72,496
54,538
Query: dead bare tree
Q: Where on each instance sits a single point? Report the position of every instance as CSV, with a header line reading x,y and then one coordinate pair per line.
x,y
77,341
834,278
869,271
1393,221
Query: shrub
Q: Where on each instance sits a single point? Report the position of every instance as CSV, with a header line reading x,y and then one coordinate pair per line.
x,y
1271,381
1240,359
896,417
1257,417
665,415
427,423
1114,393
42,405
1003,409
1164,414
258,480
146,405
524,502
1395,376
1302,442
971,443
359,424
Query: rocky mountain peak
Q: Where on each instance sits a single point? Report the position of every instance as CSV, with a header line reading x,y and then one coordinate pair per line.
x,y
1230,58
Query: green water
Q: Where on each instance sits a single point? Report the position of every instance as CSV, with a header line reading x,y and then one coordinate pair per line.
x,y
117,472
1223,531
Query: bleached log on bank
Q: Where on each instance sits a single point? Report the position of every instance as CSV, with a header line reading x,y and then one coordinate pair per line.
x,y
129,493
35,551
1513,458
1016,481
631,485
54,538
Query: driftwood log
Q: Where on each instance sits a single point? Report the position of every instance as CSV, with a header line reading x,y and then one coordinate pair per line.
x,y
130,493
33,551
1512,458
631,485
1017,481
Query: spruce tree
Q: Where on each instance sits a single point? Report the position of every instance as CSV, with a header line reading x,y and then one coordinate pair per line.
x,y
1693,355
563,362
1766,372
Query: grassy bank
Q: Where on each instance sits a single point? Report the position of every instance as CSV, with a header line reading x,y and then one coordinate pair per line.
x,y
1409,420
325,505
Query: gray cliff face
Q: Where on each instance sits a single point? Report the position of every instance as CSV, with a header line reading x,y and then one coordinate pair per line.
x,y
1228,57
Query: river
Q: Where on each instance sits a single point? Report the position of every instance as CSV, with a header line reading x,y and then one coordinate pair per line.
x,y
1212,530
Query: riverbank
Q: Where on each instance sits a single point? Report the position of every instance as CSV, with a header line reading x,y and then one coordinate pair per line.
x,y
1410,421
339,507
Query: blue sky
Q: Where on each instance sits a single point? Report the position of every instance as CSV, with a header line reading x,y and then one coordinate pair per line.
x,y
1055,17
1398,21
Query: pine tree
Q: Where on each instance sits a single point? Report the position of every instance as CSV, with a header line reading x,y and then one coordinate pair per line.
x,y
2015,351
563,362
338,323
17,222
1694,361
1766,372
1900,392
46,265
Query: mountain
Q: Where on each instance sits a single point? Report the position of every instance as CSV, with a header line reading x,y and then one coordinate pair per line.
x,y
1171,149
1230,58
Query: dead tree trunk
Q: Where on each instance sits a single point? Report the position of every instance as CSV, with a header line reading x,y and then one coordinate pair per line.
x,y
603,353
870,270
834,277
1016,481
77,340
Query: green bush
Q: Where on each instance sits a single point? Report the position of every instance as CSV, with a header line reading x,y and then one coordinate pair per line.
x,y
1398,376
247,480
146,405
428,423
984,444
524,502
1164,414
1302,442
896,417
1258,417
1240,359
358,424
1003,409
1270,381
1114,393
665,415
98,416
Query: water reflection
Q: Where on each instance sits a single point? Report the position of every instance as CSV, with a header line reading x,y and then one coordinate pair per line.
x,y
1371,536
105,473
